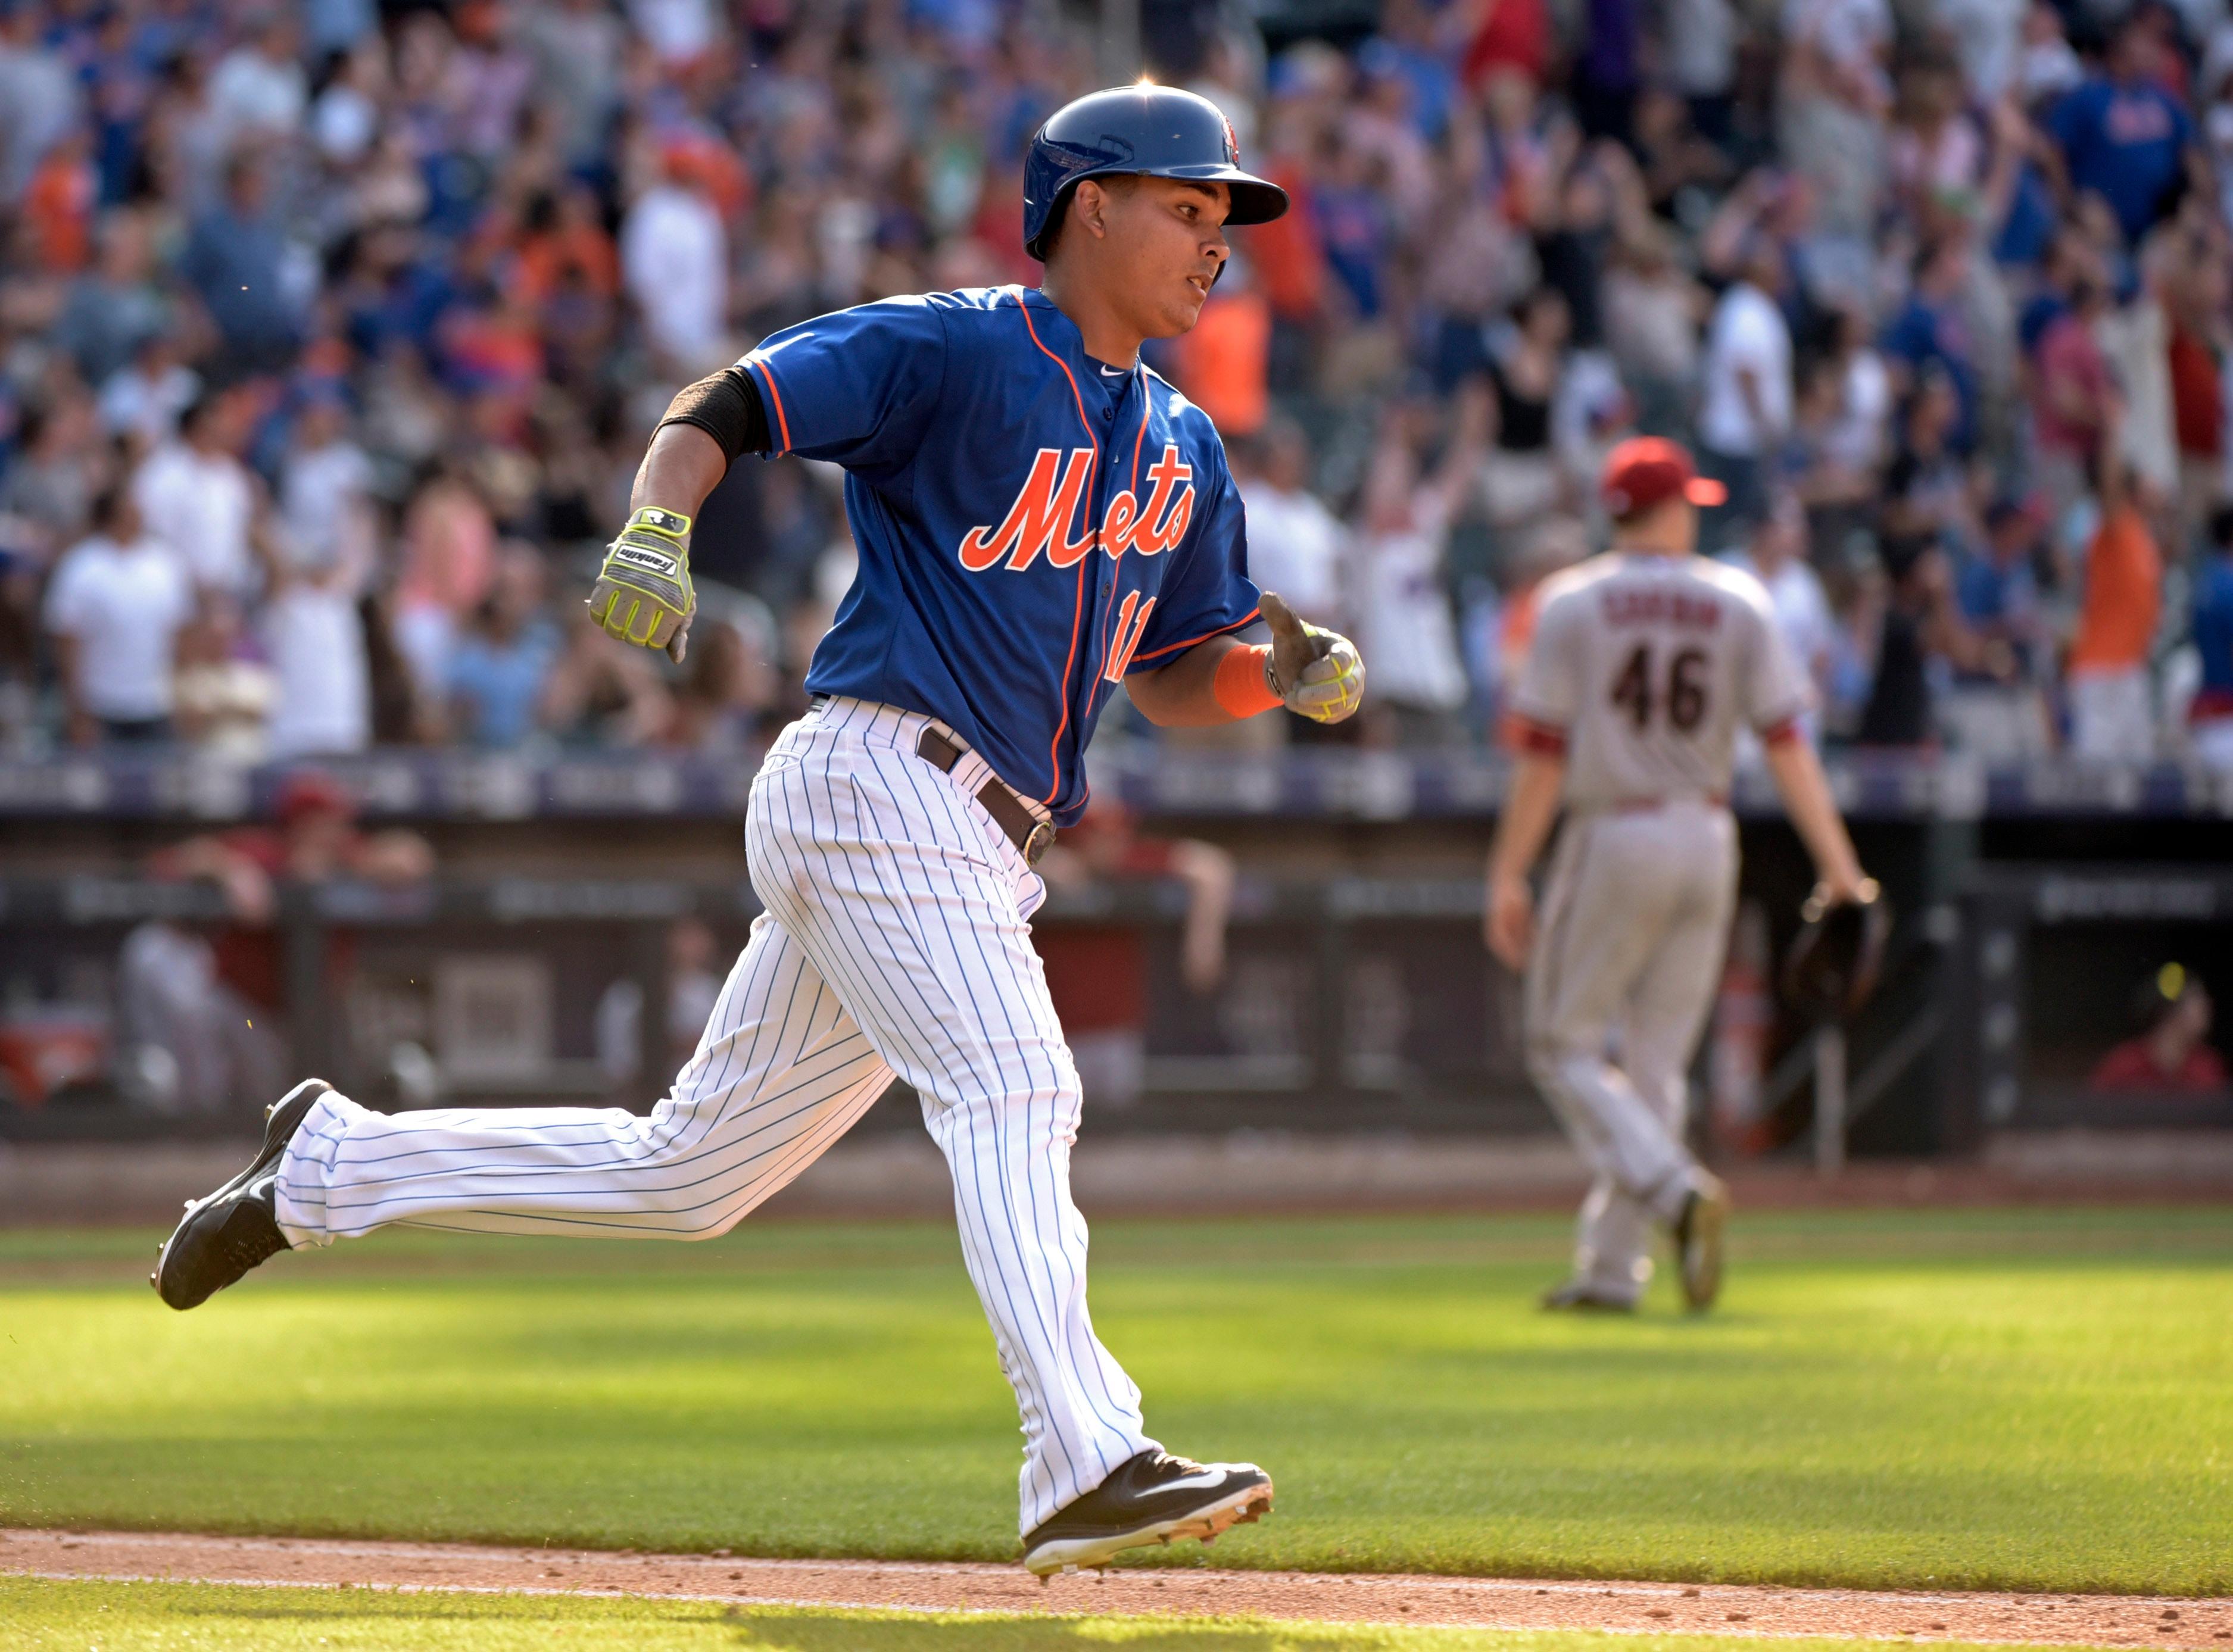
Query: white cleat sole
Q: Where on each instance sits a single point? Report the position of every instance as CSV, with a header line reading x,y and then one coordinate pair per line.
x,y
1249,1504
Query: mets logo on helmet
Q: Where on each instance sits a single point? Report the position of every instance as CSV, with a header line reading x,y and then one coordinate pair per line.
x,y
1046,511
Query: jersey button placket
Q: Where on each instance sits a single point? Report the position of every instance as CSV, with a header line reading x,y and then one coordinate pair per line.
x,y
1108,487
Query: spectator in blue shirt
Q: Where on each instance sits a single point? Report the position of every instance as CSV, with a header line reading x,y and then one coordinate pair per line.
x,y
499,667
2121,135
1932,329
234,260
2211,711
1353,218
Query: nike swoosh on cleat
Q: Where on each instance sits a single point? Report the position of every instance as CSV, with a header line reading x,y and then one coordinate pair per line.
x,y
1207,1477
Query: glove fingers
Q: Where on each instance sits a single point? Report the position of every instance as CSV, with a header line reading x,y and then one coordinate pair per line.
x,y
1333,698
1332,686
617,614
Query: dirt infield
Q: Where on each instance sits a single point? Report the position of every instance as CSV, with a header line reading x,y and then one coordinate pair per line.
x,y
2093,1620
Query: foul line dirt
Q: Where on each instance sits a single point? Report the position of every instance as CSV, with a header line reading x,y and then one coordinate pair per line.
x,y
2187,1625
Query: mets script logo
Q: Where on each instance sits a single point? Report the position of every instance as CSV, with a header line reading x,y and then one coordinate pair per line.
x,y
1046,512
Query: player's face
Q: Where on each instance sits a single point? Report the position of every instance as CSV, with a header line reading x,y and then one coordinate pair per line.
x,y
1167,234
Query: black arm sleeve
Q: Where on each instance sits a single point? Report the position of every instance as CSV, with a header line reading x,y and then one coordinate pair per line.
x,y
726,406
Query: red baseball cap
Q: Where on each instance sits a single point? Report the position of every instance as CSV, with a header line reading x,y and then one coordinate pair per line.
x,y
1646,470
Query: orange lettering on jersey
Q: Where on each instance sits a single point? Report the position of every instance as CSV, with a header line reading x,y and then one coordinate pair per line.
x,y
1121,523
1163,524
1126,642
1044,509
1047,508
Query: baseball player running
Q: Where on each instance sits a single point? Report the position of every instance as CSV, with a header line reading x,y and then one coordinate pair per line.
x,y
1645,660
1039,519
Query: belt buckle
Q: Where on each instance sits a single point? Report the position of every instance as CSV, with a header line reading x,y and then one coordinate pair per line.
x,y
1037,841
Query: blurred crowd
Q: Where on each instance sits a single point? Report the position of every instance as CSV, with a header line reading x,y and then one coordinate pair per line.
x,y
331,332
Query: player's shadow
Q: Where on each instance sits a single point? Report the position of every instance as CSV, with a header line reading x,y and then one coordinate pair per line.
x,y
776,1629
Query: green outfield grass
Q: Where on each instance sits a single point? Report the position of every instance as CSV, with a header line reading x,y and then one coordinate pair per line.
x,y
2015,1399
179,1618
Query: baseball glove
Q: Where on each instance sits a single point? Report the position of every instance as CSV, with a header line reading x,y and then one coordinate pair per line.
x,y
1833,964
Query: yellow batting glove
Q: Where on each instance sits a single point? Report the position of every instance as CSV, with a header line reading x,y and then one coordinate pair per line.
x,y
643,593
1316,673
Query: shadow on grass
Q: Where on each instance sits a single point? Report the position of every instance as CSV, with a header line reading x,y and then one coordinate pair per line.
x,y
777,1628
780,1630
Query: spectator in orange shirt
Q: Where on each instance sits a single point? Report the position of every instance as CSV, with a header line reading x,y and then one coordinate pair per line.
x,y
2110,714
1223,364
565,240
1289,252
58,205
2170,1052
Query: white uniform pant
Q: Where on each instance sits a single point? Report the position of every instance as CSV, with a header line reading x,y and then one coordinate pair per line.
x,y
1627,959
895,940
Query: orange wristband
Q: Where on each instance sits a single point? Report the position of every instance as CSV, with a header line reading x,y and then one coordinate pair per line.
x,y
1239,685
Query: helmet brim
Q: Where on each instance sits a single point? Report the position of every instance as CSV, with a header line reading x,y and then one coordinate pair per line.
x,y
1254,200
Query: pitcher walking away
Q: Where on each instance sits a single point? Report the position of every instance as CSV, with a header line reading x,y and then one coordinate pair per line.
x,y
1645,660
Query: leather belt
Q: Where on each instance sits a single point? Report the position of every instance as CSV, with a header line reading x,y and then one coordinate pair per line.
x,y
1032,836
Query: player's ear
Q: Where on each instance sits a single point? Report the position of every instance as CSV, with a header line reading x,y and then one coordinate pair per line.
x,y
1089,204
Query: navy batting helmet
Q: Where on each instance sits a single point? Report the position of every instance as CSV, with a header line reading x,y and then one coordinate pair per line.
x,y
1158,130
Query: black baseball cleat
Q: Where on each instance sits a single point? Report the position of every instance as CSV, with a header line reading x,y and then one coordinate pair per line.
x,y
1151,1497
1579,1296
1698,1242
237,1227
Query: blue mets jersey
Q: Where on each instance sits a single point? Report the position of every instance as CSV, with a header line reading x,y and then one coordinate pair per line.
x,y
1032,523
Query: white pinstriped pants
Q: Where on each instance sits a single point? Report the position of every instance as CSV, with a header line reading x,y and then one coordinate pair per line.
x,y
896,939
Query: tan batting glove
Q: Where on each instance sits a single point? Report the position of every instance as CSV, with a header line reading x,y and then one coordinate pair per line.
x,y
643,593
1316,673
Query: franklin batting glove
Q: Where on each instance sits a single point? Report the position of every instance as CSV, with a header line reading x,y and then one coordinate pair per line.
x,y
643,593
1316,673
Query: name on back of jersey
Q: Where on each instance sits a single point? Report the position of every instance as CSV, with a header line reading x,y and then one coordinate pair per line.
x,y
1658,605
1044,520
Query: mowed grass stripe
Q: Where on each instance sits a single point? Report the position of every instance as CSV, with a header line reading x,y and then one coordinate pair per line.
x,y
2024,1400
50,1616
